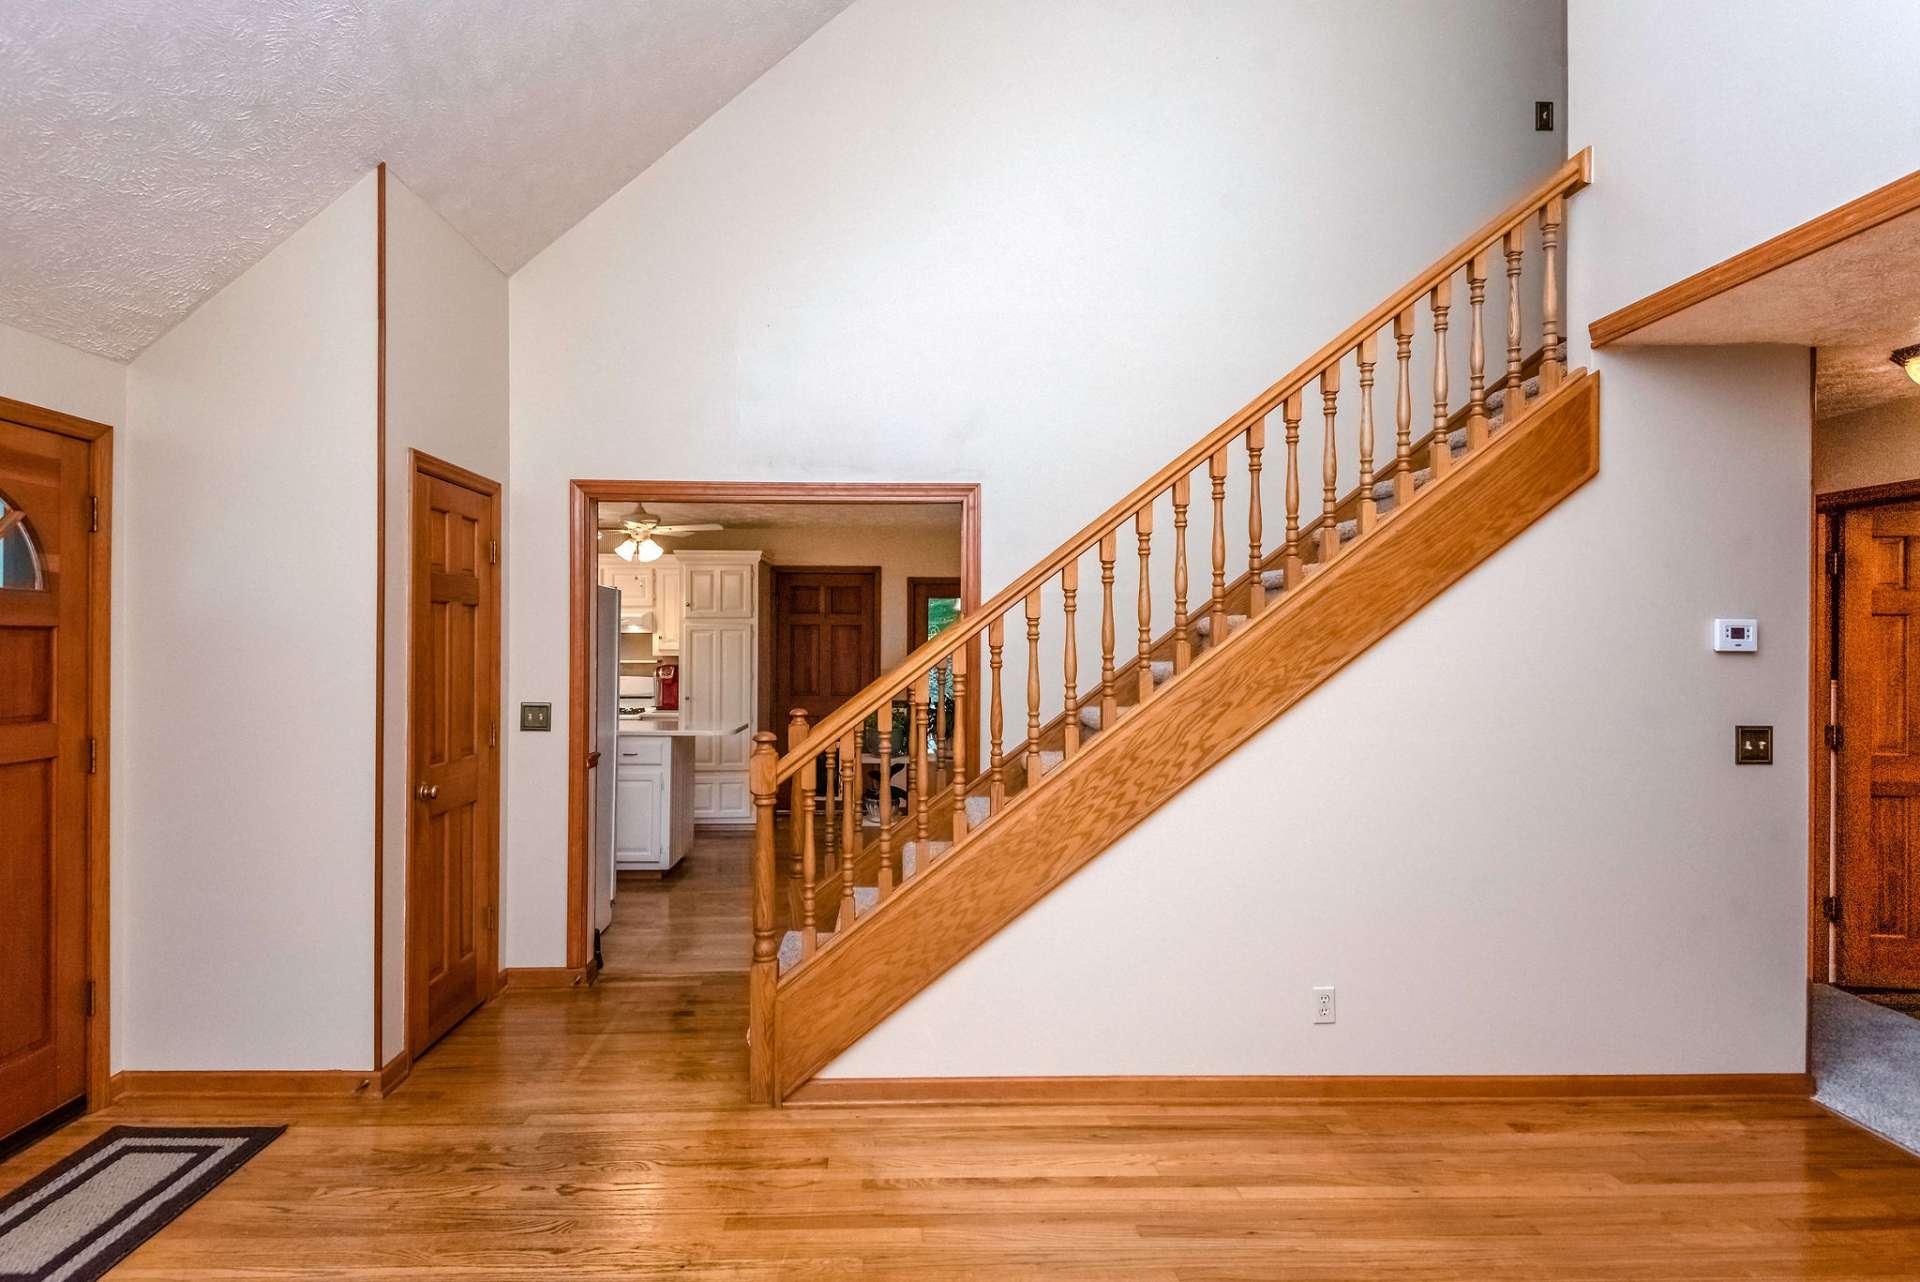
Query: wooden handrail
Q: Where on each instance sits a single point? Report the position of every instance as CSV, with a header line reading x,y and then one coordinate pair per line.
x,y
1570,177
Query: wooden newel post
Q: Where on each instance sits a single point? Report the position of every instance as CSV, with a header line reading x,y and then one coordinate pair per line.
x,y
764,974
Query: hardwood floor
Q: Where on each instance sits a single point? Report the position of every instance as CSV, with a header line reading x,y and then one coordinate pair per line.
x,y
605,1134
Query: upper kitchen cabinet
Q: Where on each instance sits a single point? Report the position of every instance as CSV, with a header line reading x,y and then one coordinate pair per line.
x,y
719,585
655,590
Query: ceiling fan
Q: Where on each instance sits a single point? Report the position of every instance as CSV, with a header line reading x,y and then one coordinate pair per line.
x,y
640,529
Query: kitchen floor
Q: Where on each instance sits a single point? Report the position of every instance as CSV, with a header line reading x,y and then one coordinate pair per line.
x,y
695,919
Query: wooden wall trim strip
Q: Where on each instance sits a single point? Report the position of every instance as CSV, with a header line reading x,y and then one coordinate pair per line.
x,y
1867,495
845,1091
545,976
379,610
1898,197
264,1083
583,560
1226,697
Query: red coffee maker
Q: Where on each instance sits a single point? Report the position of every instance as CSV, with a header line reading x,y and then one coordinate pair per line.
x,y
668,675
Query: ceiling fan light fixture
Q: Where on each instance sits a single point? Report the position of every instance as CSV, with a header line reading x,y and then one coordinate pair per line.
x,y
648,550
1908,359
626,549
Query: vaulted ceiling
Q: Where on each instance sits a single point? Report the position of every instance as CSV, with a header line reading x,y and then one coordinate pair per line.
x,y
154,149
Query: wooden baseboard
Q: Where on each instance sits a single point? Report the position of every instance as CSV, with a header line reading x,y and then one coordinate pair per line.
x,y
396,1072
1255,1090
545,976
307,1084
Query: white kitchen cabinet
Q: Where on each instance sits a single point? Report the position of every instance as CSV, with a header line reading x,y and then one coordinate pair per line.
x,y
635,583
719,679
670,603
717,700
653,801
720,585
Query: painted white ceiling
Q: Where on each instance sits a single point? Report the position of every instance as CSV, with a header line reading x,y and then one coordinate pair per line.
x,y
1856,300
876,517
152,150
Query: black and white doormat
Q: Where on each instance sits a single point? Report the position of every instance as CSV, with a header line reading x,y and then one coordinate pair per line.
x,y
77,1220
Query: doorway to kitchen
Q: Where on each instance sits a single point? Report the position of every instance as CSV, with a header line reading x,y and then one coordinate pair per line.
x,y
714,610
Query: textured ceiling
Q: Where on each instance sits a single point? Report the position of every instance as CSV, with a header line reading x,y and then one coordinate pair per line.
x,y
155,149
1856,301
877,517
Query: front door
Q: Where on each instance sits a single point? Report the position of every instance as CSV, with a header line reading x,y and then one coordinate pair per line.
x,y
1877,780
826,640
453,733
43,773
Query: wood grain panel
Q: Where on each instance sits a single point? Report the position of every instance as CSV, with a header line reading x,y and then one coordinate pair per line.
x,y
1225,697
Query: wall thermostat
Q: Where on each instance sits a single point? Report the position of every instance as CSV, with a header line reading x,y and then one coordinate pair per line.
x,y
1736,635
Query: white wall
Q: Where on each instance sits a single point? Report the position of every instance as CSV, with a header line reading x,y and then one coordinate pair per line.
x,y
1039,246
446,396
1535,856
243,718
54,376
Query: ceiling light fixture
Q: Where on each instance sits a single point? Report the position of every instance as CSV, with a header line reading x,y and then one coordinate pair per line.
x,y
1908,359
626,549
649,550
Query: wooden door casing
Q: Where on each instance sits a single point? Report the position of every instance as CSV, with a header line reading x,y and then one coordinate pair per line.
x,y
826,639
45,647
453,750
1877,777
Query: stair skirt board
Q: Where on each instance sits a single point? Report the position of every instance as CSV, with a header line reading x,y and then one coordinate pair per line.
x,y
845,1091
1044,836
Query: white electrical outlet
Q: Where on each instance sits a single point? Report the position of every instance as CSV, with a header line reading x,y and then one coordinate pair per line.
x,y
1323,1006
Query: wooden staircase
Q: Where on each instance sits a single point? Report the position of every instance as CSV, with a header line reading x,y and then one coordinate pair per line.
x,y
859,904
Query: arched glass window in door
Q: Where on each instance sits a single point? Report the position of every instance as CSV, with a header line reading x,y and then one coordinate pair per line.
x,y
20,566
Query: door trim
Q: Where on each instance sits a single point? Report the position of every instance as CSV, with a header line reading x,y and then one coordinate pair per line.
x,y
921,588
583,564
773,716
491,977
1823,629
99,438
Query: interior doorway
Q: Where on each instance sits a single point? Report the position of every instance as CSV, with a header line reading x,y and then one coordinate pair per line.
x,y
825,641
695,560
1873,901
453,737
54,580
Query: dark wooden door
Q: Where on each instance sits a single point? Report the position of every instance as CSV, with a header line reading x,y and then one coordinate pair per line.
x,y
43,767
826,639
452,855
1878,778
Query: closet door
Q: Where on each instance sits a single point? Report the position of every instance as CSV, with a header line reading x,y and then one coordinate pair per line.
x,y
719,663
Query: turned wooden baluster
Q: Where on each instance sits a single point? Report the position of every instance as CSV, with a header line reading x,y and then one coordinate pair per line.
x,y
1329,466
1256,444
1295,552
1143,530
830,787
1033,687
809,857
1553,359
996,766
1182,643
1439,448
917,755
944,714
1516,393
851,823
885,719
1069,593
796,735
1366,355
957,754
1109,707
1476,352
1403,411
1217,603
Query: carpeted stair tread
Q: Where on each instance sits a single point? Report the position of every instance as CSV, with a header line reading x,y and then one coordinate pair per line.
x,y
978,808
865,897
910,855
1203,627
789,955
